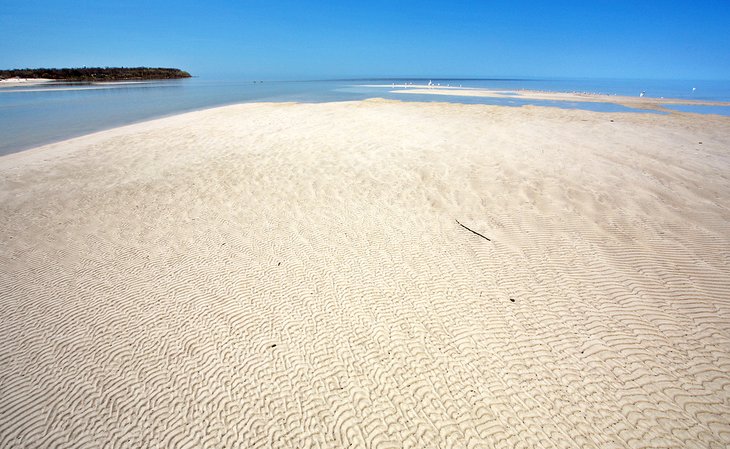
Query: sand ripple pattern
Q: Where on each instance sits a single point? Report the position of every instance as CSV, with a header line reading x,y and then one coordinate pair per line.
x,y
292,276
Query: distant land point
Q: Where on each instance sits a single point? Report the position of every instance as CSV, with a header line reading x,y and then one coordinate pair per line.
x,y
97,74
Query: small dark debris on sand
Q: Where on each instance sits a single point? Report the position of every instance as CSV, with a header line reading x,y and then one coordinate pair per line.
x,y
473,231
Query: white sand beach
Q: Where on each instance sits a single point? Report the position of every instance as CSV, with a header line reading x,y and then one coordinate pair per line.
x,y
294,276
19,82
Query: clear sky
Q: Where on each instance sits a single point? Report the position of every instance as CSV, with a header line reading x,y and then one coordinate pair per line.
x,y
325,39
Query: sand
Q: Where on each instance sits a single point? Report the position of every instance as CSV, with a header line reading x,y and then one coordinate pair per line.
x,y
638,102
17,82
292,275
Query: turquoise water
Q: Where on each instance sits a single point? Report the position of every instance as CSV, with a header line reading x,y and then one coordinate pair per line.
x,y
35,115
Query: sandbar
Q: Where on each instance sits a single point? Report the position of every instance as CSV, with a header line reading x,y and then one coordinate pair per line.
x,y
304,275
628,101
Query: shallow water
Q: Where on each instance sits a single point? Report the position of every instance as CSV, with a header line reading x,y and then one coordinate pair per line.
x,y
35,115
699,109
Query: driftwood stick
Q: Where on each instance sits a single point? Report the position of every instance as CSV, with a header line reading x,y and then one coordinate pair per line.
x,y
473,231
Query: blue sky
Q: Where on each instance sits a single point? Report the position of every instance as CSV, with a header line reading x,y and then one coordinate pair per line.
x,y
323,39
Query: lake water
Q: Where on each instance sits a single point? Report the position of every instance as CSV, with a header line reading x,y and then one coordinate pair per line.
x,y
35,115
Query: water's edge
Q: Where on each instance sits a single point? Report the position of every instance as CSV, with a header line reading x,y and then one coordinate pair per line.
x,y
41,114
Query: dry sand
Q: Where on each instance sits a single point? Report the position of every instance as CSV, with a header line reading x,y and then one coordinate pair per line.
x,y
292,275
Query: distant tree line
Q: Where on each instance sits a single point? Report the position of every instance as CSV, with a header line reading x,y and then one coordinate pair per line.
x,y
97,73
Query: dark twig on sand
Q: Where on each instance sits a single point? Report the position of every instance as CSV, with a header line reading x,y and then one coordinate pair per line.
x,y
473,231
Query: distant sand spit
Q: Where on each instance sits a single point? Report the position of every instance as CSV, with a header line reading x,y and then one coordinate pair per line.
x,y
292,275
631,102
15,82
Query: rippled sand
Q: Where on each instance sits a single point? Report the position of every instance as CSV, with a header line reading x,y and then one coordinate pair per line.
x,y
293,275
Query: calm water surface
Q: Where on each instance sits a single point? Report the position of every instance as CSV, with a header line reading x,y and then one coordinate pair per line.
x,y
35,115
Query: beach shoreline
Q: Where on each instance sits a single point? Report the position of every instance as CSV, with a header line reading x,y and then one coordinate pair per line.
x,y
72,109
303,275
